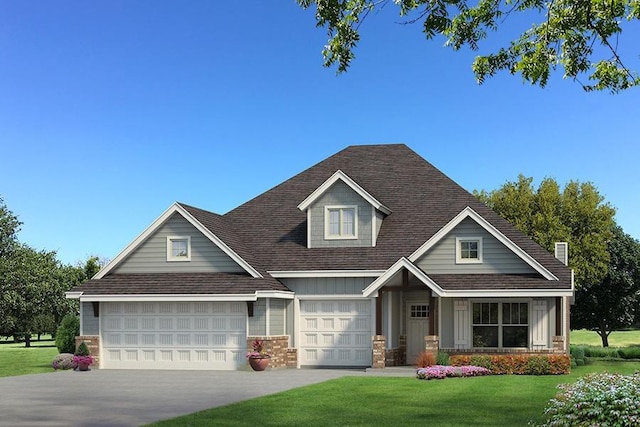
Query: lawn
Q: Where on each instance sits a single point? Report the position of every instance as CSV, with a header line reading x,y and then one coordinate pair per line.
x,y
15,359
509,400
616,339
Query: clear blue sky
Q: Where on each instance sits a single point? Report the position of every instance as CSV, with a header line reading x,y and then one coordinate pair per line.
x,y
112,110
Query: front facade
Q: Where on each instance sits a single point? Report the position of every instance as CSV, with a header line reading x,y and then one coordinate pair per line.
x,y
366,259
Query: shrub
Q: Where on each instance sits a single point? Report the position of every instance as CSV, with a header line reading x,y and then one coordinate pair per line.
x,y
425,359
441,372
442,358
82,350
629,352
596,399
592,351
66,334
63,361
578,353
552,364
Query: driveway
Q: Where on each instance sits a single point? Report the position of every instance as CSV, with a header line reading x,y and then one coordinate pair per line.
x,y
132,398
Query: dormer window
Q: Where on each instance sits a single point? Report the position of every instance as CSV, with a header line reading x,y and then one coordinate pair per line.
x,y
178,248
469,250
341,222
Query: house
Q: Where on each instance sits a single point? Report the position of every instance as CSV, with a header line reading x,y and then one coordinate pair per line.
x,y
365,259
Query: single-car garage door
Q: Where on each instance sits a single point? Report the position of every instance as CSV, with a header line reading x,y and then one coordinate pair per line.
x,y
335,333
173,335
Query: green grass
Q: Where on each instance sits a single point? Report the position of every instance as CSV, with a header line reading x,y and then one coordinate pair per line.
x,y
509,400
15,359
616,339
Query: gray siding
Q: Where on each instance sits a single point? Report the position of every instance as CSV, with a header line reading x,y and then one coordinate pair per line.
x,y
151,255
497,258
446,317
258,323
340,194
328,285
277,316
379,218
90,323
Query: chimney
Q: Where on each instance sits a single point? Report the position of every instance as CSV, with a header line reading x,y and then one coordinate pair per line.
x,y
562,252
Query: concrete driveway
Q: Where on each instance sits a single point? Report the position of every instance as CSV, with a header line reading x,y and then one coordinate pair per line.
x,y
132,398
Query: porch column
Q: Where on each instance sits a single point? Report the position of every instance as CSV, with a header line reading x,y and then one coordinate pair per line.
x,y
379,351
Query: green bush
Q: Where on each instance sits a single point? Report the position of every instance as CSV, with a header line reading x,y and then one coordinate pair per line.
x,y
600,399
66,334
629,352
578,354
538,365
82,350
591,351
442,358
482,361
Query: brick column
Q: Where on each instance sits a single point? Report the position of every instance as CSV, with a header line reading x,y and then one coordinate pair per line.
x,y
93,344
292,358
432,343
379,351
558,344
402,351
276,346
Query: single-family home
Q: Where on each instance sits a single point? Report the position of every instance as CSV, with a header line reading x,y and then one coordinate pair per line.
x,y
365,259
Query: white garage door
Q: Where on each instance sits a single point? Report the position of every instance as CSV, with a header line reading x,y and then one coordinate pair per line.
x,y
173,335
335,333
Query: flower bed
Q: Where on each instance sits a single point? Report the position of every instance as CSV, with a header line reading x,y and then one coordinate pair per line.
x,y
525,364
441,372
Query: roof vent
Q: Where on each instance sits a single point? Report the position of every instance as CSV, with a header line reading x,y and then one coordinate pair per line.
x,y
562,252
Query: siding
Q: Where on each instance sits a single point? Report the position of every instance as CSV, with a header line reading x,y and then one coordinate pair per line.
x,y
328,285
258,323
151,255
90,323
276,316
446,338
340,194
496,258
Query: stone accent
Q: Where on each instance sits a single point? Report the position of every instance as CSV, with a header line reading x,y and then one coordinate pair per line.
x,y
276,346
93,344
432,343
292,358
558,343
379,351
397,356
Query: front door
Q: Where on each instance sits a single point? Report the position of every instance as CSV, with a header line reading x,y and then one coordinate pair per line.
x,y
417,328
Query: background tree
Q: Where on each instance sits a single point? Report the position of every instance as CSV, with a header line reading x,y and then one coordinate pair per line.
x,y
577,215
581,36
610,304
9,227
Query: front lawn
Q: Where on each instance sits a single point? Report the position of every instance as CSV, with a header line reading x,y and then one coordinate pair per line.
x,y
15,359
616,339
506,400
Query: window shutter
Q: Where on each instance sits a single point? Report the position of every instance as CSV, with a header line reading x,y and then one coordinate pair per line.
x,y
461,324
540,323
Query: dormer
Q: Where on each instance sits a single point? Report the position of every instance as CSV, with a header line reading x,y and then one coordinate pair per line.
x,y
340,213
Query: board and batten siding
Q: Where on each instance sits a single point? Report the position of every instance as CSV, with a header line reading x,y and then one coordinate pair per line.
x,y
352,286
151,255
258,323
90,322
340,194
496,258
276,316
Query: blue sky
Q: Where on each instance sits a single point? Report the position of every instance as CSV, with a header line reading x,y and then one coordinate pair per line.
x,y
112,110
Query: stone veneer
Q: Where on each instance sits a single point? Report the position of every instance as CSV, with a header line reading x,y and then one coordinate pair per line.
x,y
278,347
93,344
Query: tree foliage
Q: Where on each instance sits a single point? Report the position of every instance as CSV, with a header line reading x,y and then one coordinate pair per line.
x,y
611,303
580,36
576,214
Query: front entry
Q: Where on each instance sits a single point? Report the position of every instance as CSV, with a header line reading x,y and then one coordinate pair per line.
x,y
417,313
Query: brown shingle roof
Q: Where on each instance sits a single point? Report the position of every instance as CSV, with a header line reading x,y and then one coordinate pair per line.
x,y
465,282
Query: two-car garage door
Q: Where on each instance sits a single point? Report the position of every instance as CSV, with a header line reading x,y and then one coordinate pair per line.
x,y
173,335
335,333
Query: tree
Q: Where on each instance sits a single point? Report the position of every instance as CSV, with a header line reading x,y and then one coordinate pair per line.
x,y
580,36
610,304
9,227
577,215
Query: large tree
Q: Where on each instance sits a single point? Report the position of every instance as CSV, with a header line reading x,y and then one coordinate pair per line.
x,y
576,214
581,36
610,304
9,227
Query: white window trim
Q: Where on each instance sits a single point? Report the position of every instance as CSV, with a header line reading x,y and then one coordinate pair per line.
x,y
459,259
500,324
170,257
327,226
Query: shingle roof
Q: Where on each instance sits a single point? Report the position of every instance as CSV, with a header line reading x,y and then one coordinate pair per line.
x,y
179,283
466,282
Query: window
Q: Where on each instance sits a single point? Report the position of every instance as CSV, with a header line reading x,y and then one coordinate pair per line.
x,y
468,250
419,311
178,248
501,325
341,222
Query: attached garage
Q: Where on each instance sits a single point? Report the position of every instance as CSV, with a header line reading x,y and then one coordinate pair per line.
x,y
173,335
335,333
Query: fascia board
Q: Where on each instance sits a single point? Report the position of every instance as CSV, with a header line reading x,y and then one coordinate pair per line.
x,y
275,294
72,295
470,213
290,274
168,297
534,293
375,286
339,175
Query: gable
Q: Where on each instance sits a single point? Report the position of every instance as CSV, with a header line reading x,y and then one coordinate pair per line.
x,y
151,255
496,257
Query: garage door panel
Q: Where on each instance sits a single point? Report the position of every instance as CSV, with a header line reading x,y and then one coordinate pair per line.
x,y
335,333
184,335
